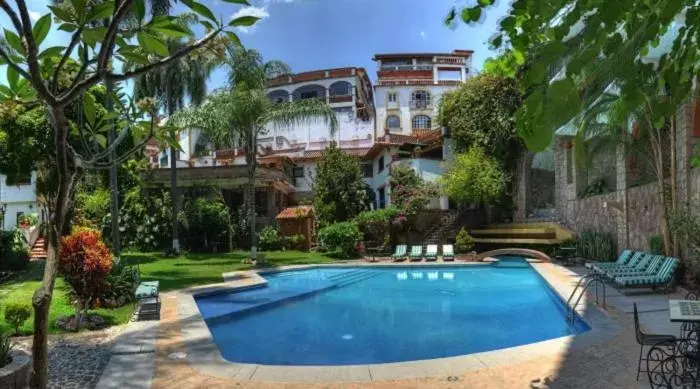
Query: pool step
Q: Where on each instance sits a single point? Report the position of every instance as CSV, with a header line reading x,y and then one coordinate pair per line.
x,y
351,277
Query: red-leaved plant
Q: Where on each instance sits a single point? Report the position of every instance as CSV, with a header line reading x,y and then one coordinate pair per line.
x,y
84,261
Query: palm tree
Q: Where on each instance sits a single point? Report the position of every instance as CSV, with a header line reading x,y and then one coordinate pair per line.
x,y
171,86
237,115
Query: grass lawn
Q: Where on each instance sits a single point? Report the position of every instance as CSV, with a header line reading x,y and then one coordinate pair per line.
x,y
201,269
173,273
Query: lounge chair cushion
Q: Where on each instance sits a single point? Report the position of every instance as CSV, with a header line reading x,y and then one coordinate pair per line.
x,y
147,289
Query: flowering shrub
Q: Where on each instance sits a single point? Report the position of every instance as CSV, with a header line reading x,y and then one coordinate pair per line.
x,y
270,239
84,261
408,191
144,221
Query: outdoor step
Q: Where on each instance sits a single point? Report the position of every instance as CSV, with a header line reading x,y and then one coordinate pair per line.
x,y
516,241
357,279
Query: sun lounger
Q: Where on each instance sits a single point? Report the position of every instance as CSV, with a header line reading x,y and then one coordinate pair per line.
x,y
431,252
416,253
630,264
663,278
448,252
621,260
639,267
400,253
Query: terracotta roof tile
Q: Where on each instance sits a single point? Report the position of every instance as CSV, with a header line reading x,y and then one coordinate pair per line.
x,y
296,212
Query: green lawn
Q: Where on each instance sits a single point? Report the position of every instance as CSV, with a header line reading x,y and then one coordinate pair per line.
x,y
173,273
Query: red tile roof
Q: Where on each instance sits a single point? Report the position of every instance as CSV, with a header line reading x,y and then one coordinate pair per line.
x,y
301,211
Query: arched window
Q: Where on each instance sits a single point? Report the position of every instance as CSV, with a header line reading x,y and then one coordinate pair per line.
x,y
393,122
420,99
421,122
278,96
340,88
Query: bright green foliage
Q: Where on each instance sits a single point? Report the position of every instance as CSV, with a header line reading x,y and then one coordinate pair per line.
x,y
340,239
93,205
464,242
25,135
481,113
656,244
206,223
270,239
376,225
6,347
16,314
339,187
143,220
600,43
473,178
409,193
14,250
599,246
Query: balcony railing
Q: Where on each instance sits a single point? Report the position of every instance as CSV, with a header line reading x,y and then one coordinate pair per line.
x,y
406,82
389,68
340,99
450,60
419,104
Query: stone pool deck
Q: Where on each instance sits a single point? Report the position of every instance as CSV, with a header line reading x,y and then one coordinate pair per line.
x,y
606,358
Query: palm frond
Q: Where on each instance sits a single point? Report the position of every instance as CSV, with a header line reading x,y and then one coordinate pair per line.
x,y
302,112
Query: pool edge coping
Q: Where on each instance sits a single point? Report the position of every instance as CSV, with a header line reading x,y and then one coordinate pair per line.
x,y
203,354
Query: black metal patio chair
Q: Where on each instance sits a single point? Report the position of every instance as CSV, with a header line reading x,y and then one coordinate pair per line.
x,y
645,339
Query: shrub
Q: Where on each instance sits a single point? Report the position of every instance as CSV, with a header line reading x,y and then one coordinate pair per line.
x,y
93,205
464,242
340,239
120,285
599,246
376,225
144,221
16,314
5,349
473,178
656,244
84,261
269,239
206,223
14,250
294,242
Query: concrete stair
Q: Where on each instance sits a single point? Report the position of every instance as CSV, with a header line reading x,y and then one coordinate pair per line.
x,y
445,230
545,233
38,252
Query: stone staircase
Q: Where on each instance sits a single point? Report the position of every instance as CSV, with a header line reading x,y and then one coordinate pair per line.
x,y
445,229
38,252
535,233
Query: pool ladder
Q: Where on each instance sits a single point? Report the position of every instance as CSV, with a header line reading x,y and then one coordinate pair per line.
x,y
586,282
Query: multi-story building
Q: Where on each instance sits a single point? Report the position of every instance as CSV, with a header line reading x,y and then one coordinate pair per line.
x,y
408,89
392,123
16,200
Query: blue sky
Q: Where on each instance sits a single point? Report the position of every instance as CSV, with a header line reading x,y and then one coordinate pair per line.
x,y
320,34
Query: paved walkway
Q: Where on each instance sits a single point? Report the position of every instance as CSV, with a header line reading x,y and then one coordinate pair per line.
x,y
154,356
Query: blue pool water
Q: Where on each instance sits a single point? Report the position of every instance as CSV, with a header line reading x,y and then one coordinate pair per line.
x,y
353,316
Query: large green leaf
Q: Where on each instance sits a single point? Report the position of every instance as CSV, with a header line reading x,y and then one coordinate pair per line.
x,y
62,13
68,27
101,11
53,51
152,44
139,8
41,29
93,35
171,29
79,7
14,41
472,14
243,21
134,57
89,108
244,2
200,9
12,77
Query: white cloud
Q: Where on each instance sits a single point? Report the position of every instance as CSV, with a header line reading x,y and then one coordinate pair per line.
x,y
423,34
258,12
34,15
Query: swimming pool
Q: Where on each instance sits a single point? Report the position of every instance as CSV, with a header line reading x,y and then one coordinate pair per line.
x,y
351,316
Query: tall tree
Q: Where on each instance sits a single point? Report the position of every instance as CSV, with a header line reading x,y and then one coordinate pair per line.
x,y
43,72
171,86
237,115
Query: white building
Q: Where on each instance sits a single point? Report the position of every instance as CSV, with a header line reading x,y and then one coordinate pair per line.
x,y
16,200
406,98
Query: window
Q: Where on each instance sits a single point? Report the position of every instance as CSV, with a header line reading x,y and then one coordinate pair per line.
x,y
381,196
449,75
367,170
420,99
340,88
380,164
421,122
391,97
393,121
298,172
164,161
19,216
309,95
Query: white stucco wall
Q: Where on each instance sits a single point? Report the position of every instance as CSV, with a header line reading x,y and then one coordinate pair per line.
x,y
18,198
402,108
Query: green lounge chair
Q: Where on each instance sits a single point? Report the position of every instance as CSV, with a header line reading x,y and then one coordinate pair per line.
x,y
664,277
639,267
416,253
448,252
621,260
630,264
400,253
431,252
650,268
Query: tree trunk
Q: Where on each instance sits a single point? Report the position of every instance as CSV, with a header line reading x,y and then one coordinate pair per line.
x,y
114,190
173,200
41,301
250,201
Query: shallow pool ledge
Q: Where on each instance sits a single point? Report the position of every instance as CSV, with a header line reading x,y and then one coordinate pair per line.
x,y
203,355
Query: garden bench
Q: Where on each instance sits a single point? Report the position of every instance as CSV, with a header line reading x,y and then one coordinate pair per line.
x,y
148,301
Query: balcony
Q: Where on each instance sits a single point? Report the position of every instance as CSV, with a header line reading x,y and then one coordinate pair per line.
x,y
340,99
385,82
225,176
450,60
420,104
